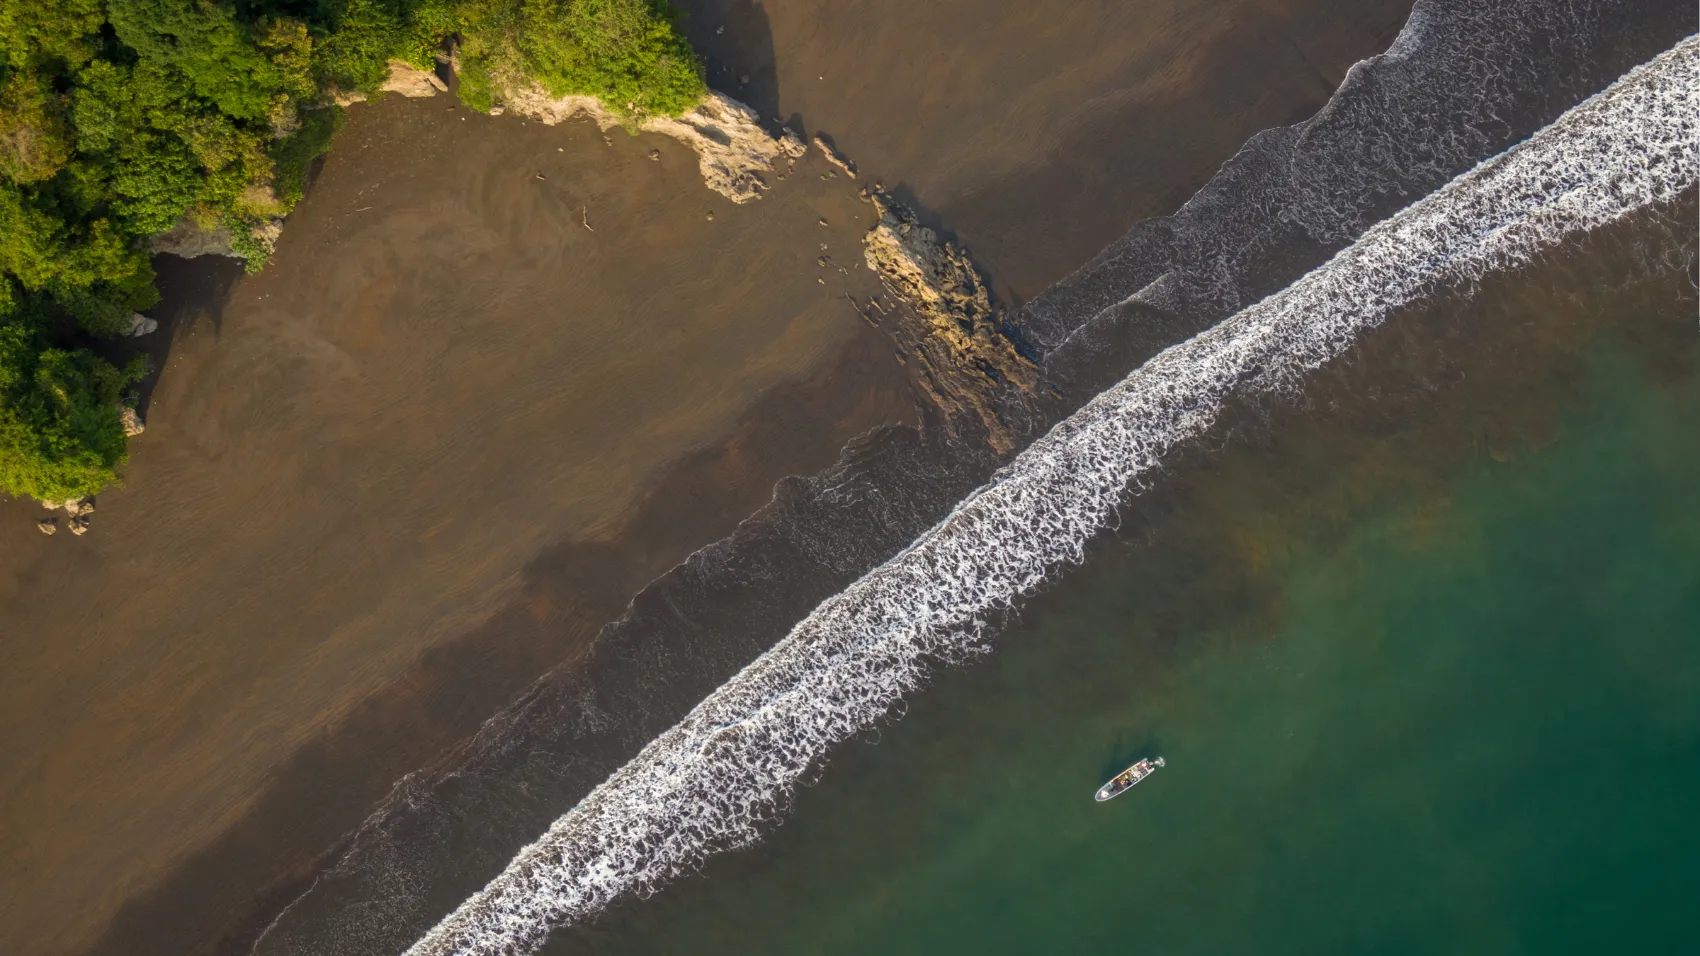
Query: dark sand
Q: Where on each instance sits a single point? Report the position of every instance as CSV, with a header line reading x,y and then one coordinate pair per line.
x,y
1039,132
450,431
448,418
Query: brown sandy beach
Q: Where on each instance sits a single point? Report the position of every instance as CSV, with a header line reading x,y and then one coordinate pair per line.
x,y
450,430
355,457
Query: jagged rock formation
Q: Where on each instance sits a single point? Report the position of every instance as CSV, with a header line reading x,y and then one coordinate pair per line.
x,y
953,332
131,421
409,80
78,509
733,150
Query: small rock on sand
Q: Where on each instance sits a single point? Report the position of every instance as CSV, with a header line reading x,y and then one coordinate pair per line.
x,y
47,526
141,324
80,525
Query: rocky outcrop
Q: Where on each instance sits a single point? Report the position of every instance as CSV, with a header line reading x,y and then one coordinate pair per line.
x,y
75,507
833,156
131,420
734,152
947,324
78,509
411,81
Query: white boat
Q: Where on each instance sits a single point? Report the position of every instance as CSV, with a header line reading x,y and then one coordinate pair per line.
x,y
1127,778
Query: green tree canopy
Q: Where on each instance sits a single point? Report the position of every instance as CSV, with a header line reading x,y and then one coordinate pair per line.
x,y
118,118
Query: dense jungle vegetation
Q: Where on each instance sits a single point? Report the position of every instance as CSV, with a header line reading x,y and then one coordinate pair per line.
x,y
118,118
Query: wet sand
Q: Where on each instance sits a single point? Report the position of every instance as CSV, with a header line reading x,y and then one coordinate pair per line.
x,y
450,431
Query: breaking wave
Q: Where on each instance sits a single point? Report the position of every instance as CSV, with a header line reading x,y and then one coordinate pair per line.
x,y
711,781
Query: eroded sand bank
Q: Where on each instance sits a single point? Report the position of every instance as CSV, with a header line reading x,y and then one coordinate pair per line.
x,y
451,429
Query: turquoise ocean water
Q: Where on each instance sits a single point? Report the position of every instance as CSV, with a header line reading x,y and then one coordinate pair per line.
x,y
1423,656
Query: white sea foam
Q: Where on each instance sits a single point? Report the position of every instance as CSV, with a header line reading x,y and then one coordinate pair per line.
x,y
710,782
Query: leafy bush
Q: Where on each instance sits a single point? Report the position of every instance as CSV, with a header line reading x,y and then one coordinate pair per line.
x,y
60,436
626,53
118,118
356,39
294,154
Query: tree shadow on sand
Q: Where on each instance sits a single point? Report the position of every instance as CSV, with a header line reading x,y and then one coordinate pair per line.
x,y
735,42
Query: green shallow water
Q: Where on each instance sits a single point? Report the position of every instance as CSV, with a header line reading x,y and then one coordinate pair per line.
x,y
1422,688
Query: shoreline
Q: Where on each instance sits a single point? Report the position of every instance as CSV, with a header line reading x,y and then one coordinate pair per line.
x,y
897,837
867,155
735,592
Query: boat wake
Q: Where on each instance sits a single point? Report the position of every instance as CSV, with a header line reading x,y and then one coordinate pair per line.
x,y
713,780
